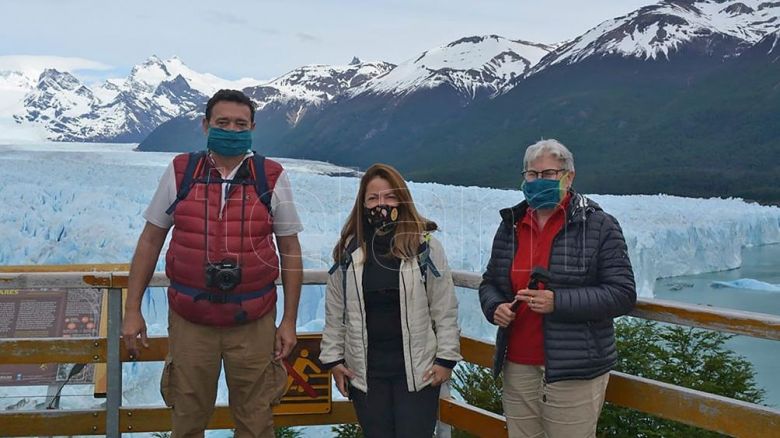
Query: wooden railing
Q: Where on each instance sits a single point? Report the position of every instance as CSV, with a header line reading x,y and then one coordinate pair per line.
x,y
696,408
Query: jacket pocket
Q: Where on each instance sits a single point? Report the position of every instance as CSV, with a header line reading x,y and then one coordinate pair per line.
x,y
594,340
166,389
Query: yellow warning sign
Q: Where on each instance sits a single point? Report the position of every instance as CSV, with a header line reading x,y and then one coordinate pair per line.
x,y
308,384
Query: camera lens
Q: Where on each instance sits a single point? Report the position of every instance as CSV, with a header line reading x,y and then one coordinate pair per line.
x,y
226,280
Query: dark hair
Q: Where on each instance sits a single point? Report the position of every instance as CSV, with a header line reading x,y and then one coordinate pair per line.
x,y
230,96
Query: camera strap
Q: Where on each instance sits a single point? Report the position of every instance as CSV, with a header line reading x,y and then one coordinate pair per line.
x,y
208,181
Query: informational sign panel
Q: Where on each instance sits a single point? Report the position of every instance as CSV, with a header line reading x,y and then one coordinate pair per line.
x,y
48,313
308,383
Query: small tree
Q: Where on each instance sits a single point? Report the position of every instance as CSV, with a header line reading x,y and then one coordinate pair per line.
x,y
683,356
287,432
478,387
347,431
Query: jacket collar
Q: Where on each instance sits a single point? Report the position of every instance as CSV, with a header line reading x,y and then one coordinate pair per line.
x,y
578,209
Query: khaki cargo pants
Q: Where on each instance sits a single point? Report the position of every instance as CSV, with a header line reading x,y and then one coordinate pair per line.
x,y
567,409
189,380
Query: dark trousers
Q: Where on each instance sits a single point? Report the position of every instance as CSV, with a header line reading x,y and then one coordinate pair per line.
x,y
390,410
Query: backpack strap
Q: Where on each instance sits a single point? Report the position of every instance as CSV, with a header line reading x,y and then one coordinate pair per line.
x,y
344,265
261,183
193,159
424,260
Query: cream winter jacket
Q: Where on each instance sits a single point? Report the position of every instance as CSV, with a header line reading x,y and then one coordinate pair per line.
x,y
429,319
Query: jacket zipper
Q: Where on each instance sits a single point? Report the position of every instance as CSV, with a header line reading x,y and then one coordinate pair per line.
x,y
514,250
408,330
569,221
544,317
362,324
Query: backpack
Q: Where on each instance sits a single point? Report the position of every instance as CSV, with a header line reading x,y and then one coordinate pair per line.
x,y
194,160
424,262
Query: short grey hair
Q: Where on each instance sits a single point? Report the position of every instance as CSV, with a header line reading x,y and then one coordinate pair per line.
x,y
550,147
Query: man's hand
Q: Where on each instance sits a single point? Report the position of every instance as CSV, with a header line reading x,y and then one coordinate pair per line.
x,y
133,326
539,301
285,339
437,375
504,315
342,374
141,270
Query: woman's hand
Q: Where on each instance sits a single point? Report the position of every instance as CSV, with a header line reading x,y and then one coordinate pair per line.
x,y
504,315
437,375
539,301
342,374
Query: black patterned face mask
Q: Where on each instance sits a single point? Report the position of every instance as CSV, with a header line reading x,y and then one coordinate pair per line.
x,y
382,217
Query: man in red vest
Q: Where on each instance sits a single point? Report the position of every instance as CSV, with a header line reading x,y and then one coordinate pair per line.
x,y
225,207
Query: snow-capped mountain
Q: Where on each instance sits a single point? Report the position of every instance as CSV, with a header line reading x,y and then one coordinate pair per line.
x,y
712,27
117,109
57,98
383,119
318,83
282,104
420,93
312,86
473,66
108,90
145,78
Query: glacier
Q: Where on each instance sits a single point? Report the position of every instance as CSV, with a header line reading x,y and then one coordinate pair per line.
x,y
82,203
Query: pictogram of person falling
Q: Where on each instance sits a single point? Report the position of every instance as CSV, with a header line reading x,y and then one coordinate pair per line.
x,y
302,363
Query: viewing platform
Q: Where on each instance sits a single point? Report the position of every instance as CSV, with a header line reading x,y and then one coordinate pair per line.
x,y
676,403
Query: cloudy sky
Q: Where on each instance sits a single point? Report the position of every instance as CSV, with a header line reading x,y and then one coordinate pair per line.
x,y
263,39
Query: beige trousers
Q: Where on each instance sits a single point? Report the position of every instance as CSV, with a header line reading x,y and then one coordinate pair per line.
x,y
567,409
255,381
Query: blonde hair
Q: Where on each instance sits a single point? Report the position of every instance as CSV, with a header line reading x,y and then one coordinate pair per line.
x,y
410,225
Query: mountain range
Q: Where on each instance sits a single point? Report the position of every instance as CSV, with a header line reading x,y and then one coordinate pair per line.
x,y
675,97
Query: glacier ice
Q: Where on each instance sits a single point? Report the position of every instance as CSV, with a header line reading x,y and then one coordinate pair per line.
x,y
82,203
747,283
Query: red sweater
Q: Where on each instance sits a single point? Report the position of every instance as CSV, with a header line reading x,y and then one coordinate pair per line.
x,y
526,338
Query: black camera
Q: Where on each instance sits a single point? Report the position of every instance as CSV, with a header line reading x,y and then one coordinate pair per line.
x,y
224,275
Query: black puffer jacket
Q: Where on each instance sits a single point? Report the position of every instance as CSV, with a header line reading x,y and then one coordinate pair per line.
x,y
593,283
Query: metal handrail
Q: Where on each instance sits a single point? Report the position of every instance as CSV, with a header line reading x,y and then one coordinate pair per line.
x,y
754,324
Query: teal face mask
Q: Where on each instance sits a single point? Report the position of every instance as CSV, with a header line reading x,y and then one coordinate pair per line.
x,y
543,193
229,143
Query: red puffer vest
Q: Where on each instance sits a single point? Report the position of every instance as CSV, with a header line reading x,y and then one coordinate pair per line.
x,y
202,235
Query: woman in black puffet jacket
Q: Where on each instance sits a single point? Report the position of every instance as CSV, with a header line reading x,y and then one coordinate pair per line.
x,y
555,344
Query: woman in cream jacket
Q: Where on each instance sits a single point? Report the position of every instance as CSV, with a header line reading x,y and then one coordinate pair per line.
x,y
391,332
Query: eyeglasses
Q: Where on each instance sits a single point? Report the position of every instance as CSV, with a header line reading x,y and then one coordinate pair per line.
x,y
531,175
